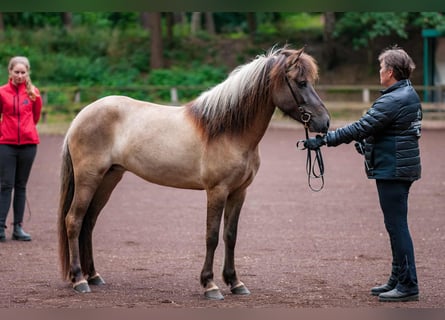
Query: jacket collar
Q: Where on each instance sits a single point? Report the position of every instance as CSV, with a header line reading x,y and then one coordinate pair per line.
x,y
397,85
20,87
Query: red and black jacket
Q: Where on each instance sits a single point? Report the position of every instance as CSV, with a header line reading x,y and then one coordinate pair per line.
x,y
19,115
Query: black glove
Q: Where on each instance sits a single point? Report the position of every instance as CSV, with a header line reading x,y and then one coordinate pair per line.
x,y
360,147
315,143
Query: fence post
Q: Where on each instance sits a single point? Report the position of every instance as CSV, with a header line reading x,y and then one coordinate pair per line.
x,y
77,96
365,95
174,95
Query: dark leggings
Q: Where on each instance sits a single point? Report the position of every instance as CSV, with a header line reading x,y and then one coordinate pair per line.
x,y
15,167
393,196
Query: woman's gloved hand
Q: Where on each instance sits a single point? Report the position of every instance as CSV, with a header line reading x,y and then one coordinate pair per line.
x,y
315,143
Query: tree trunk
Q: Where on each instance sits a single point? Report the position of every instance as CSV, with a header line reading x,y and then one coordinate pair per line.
x,y
67,20
329,52
156,48
2,25
196,23
169,22
252,25
210,23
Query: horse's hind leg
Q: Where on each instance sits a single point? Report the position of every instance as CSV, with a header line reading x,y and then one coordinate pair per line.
x,y
231,216
74,225
101,197
89,198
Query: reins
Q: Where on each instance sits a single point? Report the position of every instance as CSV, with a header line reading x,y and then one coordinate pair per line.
x,y
311,166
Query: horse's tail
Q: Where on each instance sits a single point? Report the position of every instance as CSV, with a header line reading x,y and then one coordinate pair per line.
x,y
66,198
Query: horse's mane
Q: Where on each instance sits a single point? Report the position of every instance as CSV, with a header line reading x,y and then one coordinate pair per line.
x,y
231,105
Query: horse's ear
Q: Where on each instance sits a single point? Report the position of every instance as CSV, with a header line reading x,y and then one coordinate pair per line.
x,y
298,55
295,59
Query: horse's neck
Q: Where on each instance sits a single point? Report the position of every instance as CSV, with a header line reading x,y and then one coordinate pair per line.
x,y
259,125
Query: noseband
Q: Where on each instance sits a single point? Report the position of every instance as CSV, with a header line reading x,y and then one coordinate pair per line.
x,y
312,172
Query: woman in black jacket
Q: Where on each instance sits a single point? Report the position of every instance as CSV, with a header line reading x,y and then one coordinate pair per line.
x,y
388,136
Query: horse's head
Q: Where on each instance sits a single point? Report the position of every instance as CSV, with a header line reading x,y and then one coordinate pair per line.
x,y
292,80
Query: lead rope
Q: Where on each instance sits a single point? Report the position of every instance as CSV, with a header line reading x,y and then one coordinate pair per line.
x,y
311,168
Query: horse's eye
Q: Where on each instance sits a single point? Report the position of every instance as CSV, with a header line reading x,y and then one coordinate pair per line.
x,y
302,84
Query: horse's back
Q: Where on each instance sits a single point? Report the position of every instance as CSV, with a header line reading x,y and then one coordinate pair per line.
x,y
156,142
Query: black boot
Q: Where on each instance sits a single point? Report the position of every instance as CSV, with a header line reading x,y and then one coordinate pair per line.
x,y
391,284
2,234
398,296
19,234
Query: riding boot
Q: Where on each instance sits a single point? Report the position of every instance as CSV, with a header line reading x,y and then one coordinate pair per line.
x,y
19,234
2,234
389,285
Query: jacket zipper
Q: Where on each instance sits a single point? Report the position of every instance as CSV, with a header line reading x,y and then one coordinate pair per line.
x,y
17,109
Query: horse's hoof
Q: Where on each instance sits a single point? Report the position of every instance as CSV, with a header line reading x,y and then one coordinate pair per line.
x,y
82,287
96,280
214,294
240,289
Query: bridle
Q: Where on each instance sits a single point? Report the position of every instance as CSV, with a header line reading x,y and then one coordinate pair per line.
x,y
311,170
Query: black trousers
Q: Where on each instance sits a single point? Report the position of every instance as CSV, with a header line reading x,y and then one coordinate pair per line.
x,y
393,196
15,167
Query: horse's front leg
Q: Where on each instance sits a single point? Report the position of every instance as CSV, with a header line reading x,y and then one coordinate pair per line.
x,y
215,206
231,216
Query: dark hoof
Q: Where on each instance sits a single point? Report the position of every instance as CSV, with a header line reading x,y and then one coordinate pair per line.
x,y
214,294
97,280
241,290
82,287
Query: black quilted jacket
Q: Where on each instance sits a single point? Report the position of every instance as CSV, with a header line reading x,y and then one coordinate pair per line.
x,y
390,131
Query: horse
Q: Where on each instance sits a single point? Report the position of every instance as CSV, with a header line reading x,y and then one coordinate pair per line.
x,y
210,143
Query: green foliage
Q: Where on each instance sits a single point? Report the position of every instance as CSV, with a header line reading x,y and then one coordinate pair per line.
x,y
302,21
435,20
360,28
202,76
109,52
363,27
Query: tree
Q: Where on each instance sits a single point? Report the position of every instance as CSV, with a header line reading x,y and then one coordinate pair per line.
x,y
210,23
195,25
169,23
329,52
156,47
251,24
2,25
67,19
361,28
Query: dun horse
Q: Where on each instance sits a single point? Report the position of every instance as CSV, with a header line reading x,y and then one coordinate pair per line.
x,y
208,144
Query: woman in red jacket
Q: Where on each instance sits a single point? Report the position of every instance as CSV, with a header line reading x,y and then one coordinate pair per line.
x,y
20,109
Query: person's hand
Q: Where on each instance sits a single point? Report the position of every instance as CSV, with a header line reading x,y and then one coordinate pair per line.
x,y
359,147
314,143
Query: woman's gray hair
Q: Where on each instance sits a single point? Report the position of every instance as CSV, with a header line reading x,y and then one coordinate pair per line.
x,y
399,61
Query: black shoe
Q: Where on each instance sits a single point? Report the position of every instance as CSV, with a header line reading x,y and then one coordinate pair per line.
x,y
381,289
19,234
397,296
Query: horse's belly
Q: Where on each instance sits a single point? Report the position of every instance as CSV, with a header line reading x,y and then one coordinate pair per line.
x,y
172,177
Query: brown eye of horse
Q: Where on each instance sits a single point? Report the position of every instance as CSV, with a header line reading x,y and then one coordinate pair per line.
x,y
302,84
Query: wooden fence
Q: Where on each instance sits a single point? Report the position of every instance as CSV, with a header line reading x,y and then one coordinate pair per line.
x,y
336,97
358,93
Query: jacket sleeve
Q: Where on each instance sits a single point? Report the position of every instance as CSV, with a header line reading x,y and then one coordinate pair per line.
x,y
375,120
37,107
